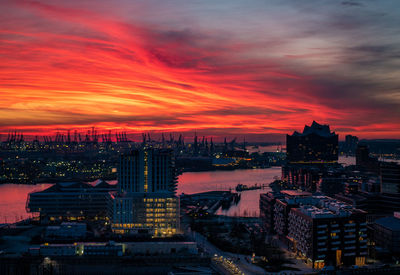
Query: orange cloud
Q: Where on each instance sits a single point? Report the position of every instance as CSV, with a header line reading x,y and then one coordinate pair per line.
x,y
70,67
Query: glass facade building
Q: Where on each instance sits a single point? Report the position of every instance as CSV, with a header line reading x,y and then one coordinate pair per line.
x,y
145,202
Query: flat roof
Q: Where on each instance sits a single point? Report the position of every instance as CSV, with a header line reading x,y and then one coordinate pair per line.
x,y
295,193
391,223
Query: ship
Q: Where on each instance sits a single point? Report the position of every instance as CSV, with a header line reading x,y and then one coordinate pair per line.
x,y
243,187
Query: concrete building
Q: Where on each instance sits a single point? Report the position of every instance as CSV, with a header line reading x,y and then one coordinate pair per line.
x,y
275,207
282,208
386,233
328,232
267,210
145,202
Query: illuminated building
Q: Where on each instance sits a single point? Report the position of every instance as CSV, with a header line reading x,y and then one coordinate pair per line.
x,y
71,201
309,153
317,144
328,232
145,202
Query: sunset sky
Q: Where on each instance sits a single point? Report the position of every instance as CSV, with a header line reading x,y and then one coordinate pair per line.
x,y
237,68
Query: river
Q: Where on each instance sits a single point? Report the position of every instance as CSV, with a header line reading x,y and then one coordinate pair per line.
x,y
13,196
196,182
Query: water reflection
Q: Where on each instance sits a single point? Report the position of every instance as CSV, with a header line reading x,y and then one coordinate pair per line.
x,y
13,196
196,182
13,200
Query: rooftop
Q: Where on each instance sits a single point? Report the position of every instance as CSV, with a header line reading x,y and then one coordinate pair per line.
x,y
74,186
317,129
325,207
391,223
295,193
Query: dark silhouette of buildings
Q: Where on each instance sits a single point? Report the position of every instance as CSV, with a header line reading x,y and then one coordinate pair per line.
x,y
317,144
71,201
350,145
308,154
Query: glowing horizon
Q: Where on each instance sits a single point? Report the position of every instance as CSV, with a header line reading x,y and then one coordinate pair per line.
x,y
221,69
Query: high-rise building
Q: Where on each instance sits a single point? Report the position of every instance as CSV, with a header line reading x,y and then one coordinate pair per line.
x,y
147,171
350,144
317,144
145,201
364,160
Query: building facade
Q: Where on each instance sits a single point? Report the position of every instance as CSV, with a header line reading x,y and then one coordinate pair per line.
x,y
317,144
386,233
71,201
145,202
390,177
328,232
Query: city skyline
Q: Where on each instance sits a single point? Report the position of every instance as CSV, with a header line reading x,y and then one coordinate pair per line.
x,y
221,69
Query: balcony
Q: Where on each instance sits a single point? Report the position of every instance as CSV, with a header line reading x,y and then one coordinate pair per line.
x,y
349,236
350,225
322,226
335,231
335,248
350,254
335,243
350,230
349,247
335,225
322,238
322,249
350,242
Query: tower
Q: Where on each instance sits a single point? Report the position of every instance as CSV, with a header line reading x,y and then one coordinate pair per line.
x,y
145,201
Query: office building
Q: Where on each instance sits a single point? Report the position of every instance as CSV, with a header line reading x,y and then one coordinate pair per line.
x,y
145,202
147,171
71,201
